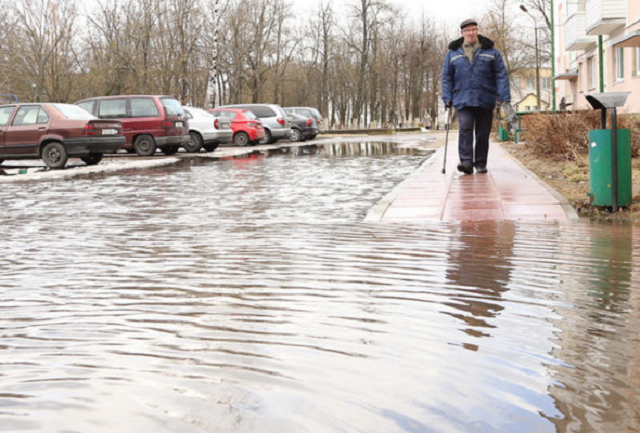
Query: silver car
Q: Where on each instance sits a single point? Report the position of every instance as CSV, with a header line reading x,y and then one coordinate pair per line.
x,y
276,123
206,130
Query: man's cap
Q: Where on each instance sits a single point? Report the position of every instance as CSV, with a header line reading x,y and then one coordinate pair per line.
x,y
467,23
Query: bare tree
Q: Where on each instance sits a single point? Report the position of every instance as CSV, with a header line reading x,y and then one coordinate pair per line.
x,y
499,25
370,66
7,72
46,58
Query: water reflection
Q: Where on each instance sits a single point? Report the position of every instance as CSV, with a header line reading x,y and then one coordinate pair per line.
x,y
334,150
598,339
246,295
480,267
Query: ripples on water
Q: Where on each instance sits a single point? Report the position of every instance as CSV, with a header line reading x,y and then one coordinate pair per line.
x,y
246,295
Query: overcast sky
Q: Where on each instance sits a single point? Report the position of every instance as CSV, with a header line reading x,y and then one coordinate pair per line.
x,y
449,12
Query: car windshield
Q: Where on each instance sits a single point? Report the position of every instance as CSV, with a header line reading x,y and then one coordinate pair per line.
x,y
74,112
249,115
172,107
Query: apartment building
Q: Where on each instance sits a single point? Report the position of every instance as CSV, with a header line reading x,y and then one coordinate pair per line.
x,y
586,29
524,91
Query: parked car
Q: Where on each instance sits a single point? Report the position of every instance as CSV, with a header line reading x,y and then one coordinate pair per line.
x,y
206,130
56,132
302,128
247,128
148,121
274,120
311,112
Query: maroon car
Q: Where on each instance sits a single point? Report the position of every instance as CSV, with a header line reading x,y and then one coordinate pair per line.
x,y
56,132
149,122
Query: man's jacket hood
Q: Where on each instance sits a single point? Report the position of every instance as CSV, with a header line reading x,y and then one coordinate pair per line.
x,y
485,43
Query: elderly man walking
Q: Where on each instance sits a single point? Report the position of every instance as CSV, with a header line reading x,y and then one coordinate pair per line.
x,y
473,78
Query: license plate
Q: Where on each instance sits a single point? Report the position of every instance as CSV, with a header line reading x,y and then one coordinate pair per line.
x,y
109,131
179,124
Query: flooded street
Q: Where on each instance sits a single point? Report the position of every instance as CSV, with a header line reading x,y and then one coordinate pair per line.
x,y
247,295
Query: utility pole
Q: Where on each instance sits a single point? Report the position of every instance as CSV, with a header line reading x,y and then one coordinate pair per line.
x,y
538,72
535,23
215,72
553,60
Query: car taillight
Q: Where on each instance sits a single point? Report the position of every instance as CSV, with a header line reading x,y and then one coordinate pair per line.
x,y
309,122
281,121
216,124
167,124
89,129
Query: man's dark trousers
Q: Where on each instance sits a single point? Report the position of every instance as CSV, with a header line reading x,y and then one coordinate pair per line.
x,y
481,118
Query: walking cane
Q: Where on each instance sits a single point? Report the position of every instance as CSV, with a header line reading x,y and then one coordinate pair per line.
x,y
446,140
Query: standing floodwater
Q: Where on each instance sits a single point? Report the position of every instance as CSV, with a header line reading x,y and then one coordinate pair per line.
x,y
246,295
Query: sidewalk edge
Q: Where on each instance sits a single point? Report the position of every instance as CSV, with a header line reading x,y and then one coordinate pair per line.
x,y
378,210
564,203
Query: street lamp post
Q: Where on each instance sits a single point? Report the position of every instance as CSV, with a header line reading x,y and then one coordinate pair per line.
x,y
535,23
553,59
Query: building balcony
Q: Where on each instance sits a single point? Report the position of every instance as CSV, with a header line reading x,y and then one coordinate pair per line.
x,y
604,17
575,37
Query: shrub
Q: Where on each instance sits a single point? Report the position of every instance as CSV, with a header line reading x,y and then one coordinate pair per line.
x,y
563,135
633,123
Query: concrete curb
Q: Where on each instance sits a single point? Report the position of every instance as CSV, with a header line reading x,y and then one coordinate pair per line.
x,y
109,167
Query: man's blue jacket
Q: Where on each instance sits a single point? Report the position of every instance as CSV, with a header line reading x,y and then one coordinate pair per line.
x,y
478,84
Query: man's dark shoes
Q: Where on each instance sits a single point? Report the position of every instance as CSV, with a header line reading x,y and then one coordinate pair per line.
x,y
481,169
465,168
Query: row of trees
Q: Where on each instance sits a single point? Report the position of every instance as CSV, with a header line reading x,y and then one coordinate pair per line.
x,y
369,66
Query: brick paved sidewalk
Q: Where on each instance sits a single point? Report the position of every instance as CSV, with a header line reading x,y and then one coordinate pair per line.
x,y
508,191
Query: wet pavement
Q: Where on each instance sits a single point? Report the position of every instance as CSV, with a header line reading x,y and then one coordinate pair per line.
x,y
508,191
247,294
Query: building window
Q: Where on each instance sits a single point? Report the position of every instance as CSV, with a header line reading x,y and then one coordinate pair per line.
x,y
546,83
619,64
531,83
516,83
591,76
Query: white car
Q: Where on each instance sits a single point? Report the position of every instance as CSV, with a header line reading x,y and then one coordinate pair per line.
x,y
206,130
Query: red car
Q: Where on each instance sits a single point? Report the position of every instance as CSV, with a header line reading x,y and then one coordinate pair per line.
x,y
246,127
55,132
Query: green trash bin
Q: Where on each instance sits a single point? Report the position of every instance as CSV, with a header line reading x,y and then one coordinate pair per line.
x,y
601,170
503,134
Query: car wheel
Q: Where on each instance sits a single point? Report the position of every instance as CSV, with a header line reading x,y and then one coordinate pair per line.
x,y
92,159
210,147
145,145
296,135
195,143
241,139
267,137
54,155
171,150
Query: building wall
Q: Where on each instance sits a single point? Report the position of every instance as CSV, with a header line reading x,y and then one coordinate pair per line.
x,y
575,90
